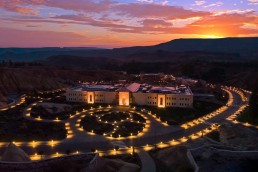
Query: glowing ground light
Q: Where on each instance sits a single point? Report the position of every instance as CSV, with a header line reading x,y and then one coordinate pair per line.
x,y
172,142
116,125
149,147
206,117
233,117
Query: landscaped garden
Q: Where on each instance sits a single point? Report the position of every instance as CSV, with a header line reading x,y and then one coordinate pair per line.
x,y
55,111
177,116
55,106
91,124
13,127
137,118
113,124
114,116
126,129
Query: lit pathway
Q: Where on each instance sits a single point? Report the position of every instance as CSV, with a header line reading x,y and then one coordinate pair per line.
x,y
16,103
232,118
158,134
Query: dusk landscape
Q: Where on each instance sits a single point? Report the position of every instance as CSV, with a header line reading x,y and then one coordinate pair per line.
x,y
132,85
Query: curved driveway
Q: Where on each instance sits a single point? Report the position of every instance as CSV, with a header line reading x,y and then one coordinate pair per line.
x,y
157,132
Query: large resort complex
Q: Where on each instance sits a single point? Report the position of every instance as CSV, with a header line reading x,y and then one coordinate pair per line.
x,y
128,86
132,94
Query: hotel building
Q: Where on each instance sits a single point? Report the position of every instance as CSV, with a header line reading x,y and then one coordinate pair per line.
x,y
132,94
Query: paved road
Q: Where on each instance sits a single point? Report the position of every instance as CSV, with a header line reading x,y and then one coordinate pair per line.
x,y
157,133
148,164
15,103
83,142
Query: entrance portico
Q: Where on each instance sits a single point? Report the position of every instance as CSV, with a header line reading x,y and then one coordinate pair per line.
x,y
124,97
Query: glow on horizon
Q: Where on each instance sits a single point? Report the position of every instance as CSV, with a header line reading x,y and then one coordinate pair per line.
x,y
211,36
122,23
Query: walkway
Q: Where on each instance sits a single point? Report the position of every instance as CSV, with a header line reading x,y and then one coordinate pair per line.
x,y
148,164
157,134
15,103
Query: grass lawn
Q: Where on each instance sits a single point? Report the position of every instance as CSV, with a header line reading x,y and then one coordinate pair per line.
x,y
177,116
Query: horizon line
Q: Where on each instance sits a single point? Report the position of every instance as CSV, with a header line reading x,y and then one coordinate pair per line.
x,y
107,47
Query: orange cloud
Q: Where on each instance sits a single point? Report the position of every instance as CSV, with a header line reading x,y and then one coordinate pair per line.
x,y
118,24
76,5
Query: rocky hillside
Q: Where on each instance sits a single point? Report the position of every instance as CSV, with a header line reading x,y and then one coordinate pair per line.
x,y
224,48
23,80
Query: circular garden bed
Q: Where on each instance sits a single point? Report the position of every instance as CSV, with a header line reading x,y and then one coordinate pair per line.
x,y
115,116
113,123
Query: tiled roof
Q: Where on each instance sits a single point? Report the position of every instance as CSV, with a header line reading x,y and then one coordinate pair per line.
x,y
123,89
134,87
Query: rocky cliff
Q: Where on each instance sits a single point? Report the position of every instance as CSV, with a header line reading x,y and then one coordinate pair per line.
x,y
23,80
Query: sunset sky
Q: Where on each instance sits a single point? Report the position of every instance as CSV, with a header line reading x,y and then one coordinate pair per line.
x,y
120,23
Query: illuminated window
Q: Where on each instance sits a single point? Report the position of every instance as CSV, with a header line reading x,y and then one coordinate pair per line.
x,y
161,101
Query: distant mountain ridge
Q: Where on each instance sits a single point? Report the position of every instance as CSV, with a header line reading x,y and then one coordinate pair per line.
x,y
220,45
28,50
245,47
38,54
228,45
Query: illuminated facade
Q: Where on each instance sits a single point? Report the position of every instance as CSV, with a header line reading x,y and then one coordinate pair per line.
x,y
124,98
132,94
